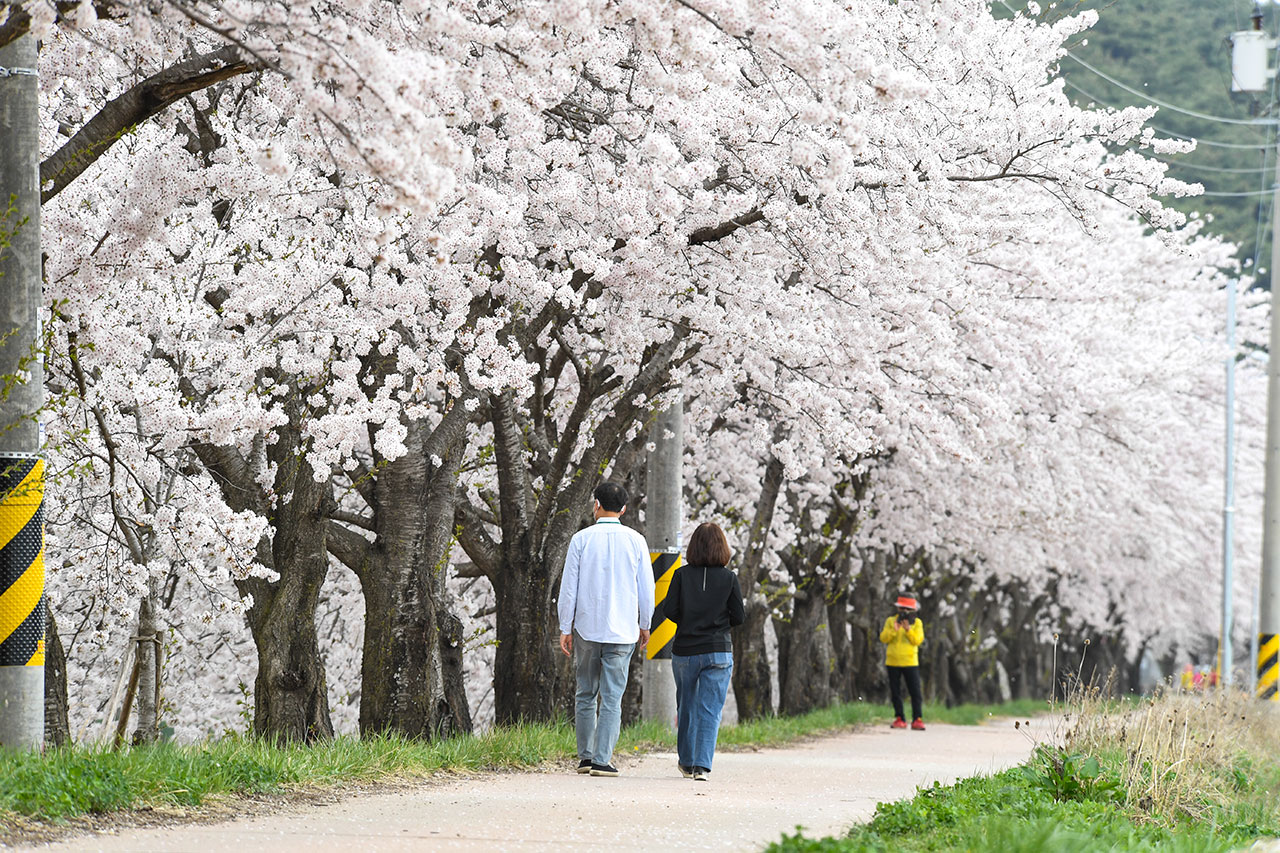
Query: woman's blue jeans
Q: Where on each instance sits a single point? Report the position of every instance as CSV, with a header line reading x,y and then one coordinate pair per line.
x,y
702,682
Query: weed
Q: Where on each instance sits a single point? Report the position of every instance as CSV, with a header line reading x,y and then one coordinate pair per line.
x,y
1070,776
1180,757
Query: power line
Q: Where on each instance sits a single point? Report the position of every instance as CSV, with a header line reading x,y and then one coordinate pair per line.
x,y
1262,147
1178,164
1183,164
1163,104
1257,233
1170,133
1247,194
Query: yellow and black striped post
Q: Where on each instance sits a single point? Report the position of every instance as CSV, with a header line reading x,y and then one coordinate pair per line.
x,y
661,631
22,601
1268,667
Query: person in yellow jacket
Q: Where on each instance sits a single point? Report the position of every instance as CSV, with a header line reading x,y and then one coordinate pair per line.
x,y
902,635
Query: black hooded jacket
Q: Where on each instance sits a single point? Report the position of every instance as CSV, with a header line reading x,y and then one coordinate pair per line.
x,y
704,602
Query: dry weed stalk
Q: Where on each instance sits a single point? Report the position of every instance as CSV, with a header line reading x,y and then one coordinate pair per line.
x,y
1179,752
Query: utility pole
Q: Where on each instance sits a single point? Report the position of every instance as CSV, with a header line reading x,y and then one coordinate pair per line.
x,y
22,602
1250,73
1268,661
1225,657
662,525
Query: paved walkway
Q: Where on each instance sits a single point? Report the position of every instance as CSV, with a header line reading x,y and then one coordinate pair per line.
x,y
825,785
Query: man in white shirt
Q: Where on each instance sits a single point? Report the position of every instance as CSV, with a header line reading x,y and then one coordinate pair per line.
x,y
606,598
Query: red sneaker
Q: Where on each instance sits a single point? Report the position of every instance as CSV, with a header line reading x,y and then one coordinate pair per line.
x,y
917,724
898,724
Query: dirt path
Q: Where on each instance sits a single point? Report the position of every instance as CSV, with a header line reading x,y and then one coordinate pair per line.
x,y
750,800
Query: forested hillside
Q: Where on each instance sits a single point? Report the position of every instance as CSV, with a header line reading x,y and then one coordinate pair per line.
x,y
1176,53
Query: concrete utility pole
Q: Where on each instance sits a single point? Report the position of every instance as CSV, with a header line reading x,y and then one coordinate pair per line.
x,y
22,603
662,525
1250,73
1268,662
1225,656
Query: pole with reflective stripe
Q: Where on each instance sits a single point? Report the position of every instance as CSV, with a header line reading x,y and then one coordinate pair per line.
x,y
663,630
662,521
1268,666
1269,581
22,603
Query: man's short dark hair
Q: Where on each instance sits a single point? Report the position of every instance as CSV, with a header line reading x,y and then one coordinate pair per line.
x,y
611,497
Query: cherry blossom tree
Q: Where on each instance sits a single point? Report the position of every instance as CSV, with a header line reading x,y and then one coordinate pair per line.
x,y
368,287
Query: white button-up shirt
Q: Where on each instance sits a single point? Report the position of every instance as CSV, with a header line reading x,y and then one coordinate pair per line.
x,y
606,591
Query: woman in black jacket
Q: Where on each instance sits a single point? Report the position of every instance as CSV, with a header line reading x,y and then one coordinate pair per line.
x,y
704,601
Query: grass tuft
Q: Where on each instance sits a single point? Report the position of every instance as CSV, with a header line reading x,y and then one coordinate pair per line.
x,y
1182,756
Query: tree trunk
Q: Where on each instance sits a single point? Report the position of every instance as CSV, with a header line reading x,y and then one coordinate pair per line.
x,y
752,685
1132,682
805,656
630,469
57,727
525,673
865,602
843,687
411,671
633,696
290,695
148,727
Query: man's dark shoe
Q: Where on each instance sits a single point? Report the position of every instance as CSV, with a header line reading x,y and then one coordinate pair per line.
x,y
603,770
686,772
584,766
700,774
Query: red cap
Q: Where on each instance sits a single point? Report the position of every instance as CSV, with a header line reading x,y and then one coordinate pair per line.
x,y
909,603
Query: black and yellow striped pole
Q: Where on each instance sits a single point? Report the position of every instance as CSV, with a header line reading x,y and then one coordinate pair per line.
x,y
22,601
1268,666
663,520
22,608
663,630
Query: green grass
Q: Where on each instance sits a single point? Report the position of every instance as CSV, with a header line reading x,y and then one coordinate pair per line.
x,y
1007,812
968,715
66,782
1064,799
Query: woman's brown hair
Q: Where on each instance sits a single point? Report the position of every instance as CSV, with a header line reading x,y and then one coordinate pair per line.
x,y
708,547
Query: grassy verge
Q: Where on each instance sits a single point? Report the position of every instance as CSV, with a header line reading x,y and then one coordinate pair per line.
x,y
67,782
1173,773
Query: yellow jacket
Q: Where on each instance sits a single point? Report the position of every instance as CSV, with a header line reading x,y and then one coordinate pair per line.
x,y
903,645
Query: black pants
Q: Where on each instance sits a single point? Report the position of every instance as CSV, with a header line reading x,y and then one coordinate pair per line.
x,y
912,674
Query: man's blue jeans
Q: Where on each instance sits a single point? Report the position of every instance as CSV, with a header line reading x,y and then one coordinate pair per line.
x,y
601,669
702,682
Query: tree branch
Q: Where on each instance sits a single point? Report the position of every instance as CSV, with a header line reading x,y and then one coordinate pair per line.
x,y
18,22
350,548
143,101
476,541
355,519
712,233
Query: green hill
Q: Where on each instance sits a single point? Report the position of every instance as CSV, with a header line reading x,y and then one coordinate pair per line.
x,y
1176,53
